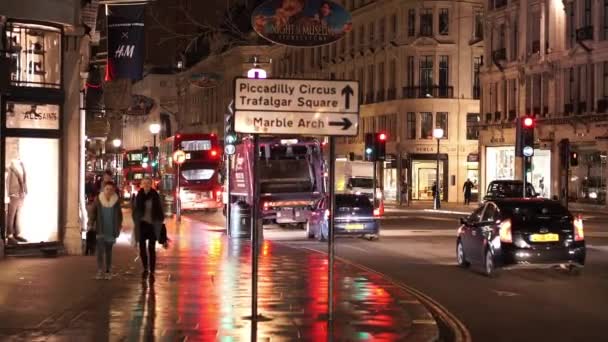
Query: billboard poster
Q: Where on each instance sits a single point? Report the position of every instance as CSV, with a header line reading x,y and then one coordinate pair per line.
x,y
32,116
31,190
301,23
125,42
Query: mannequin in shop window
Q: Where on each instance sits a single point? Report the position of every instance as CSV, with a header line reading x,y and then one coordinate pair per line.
x,y
16,188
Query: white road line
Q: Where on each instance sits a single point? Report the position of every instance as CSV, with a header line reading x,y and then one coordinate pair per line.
x,y
418,232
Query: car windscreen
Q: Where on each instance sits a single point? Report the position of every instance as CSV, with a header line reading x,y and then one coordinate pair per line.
x,y
361,183
509,190
285,175
533,211
353,201
198,171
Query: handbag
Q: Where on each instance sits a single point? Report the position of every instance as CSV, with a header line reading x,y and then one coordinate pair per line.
x,y
162,239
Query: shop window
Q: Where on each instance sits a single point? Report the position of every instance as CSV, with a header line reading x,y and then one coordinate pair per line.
x,y
500,163
472,126
411,125
442,122
34,53
426,125
32,187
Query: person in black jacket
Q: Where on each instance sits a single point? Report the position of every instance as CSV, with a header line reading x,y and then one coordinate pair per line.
x,y
148,216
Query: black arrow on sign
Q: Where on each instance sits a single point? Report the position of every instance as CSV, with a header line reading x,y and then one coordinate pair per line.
x,y
345,123
347,92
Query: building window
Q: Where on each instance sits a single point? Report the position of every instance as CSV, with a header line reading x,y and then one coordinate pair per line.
x,y
410,71
361,36
444,21
411,125
587,19
478,25
605,20
394,25
472,128
605,80
426,125
441,121
382,28
515,41
381,85
426,73
411,22
34,55
570,30
372,32
370,83
392,79
426,22
534,31
476,82
444,75
571,85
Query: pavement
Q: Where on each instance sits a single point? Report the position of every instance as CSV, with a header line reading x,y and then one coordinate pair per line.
x,y
201,292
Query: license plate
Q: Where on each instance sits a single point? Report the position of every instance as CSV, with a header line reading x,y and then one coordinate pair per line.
x,y
354,226
544,237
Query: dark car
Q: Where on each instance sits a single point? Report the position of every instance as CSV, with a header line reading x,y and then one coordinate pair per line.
x,y
508,188
509,233
355,215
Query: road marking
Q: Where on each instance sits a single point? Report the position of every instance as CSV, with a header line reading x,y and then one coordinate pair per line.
x,y
418,232
430,218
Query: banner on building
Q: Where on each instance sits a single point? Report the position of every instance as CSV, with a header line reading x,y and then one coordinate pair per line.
x,y
301,22
125,42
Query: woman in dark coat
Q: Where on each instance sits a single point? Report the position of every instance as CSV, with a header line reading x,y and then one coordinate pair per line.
x,y
148,217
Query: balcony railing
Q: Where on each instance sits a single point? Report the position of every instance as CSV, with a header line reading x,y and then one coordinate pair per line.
x,y
499,55
422,92
391,94
584,33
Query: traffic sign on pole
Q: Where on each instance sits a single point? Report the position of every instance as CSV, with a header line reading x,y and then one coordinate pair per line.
x,y
282,106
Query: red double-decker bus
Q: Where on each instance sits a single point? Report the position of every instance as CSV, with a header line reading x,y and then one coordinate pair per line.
x,y
137,164
200,177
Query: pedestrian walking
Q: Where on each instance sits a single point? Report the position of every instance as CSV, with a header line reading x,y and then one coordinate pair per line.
x,y
106,221
404,192
148,216
466,188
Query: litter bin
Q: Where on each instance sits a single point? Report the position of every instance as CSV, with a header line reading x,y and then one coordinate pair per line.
x,y
240,220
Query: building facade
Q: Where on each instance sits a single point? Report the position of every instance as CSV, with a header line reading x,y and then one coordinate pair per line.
x,y
418,66
44,54
548,59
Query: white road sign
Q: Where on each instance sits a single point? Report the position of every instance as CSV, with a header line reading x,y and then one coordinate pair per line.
x,y
295,123
281,106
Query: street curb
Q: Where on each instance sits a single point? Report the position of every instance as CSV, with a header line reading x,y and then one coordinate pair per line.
x,y
458,329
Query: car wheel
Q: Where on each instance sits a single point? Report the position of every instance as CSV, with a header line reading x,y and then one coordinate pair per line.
x,y
310,234
489,267
460,258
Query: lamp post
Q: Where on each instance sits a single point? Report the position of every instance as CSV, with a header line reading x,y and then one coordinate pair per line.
x,y
154,129
437,134
116,143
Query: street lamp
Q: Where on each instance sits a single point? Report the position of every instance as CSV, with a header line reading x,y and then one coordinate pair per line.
x,y
116,143
154,129
437,134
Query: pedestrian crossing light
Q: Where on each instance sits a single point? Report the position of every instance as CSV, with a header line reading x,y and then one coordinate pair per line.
x,y
369,150
230,138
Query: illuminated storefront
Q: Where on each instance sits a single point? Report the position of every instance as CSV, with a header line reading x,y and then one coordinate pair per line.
x,y
31,133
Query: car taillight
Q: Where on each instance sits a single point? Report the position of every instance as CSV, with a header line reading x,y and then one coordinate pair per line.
x,y
377,212
214,153
266,205
579,232
505,231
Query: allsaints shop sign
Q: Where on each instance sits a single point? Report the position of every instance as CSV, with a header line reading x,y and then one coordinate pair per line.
x,y
32,116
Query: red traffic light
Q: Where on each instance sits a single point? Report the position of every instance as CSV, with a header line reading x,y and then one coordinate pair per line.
x,y
528,122
382,136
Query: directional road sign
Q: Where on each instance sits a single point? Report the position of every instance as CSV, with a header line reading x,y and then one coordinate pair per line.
x,y
283,106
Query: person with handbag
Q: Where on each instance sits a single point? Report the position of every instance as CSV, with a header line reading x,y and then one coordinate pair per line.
x,y
106,222
148,217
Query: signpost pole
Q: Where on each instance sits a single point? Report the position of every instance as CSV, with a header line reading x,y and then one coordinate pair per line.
x,y
178,197
332,210
227,190
254,236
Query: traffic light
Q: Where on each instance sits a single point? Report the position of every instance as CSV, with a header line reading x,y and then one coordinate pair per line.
x,y
573,158
524,136
370,148
381,145
230,137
